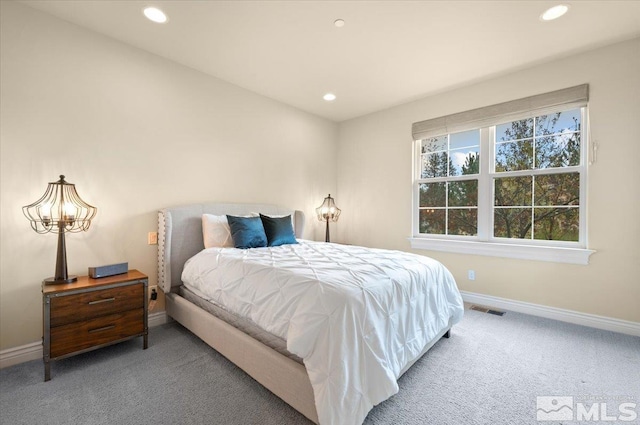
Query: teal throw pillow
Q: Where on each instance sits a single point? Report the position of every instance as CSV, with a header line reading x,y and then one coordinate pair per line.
x,y
279,230
247,232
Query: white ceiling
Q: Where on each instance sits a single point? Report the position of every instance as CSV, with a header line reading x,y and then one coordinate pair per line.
x,y
388,53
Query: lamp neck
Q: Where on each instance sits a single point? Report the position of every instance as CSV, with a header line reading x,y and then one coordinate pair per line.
x,y
326,236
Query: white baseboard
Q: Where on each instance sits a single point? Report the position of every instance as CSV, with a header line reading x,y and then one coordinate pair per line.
x,y
33,350
156,319
24,353
570,316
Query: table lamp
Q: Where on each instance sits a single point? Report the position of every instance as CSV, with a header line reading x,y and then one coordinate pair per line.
x,y
60,210
328,212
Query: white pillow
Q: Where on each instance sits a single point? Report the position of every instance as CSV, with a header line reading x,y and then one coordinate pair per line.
x,y
216,231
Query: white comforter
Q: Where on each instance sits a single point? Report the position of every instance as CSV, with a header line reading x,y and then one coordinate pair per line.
x,y
356,316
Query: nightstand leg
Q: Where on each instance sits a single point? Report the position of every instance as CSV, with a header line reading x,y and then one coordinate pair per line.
x,y
46,336
47,371
145,337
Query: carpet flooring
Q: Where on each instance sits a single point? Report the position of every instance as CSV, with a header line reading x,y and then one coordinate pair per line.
x,y
489,372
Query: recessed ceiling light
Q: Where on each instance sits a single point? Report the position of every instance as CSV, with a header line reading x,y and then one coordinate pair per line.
x,y
329,97
154,14
339,23
554,12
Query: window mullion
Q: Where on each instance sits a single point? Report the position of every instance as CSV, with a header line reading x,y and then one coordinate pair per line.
x,y
533,205
584,144
533,179
417,174
446,187
446,208
485,191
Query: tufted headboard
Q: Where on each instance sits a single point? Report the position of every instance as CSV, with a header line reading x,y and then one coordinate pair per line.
x,y
180,234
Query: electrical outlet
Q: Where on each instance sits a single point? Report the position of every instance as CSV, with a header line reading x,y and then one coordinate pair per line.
x,y
153,297
152,238
471,274
151,289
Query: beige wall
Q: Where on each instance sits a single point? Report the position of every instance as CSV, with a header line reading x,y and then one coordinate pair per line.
x,y
135,133
374,167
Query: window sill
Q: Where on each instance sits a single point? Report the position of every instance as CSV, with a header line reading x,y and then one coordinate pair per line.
x,y
493,249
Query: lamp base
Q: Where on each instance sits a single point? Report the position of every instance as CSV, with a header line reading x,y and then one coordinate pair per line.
x,y
54,281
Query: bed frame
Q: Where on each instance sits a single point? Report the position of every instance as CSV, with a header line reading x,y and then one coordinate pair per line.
x,y
179,238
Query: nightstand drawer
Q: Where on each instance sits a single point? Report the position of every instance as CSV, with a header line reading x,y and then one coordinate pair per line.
x,y
81,335
87,305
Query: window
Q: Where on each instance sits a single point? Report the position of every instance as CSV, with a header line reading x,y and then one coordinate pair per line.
x,y
536,178
448,184
513,186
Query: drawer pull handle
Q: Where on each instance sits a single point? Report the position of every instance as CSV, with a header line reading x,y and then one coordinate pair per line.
x,y
106,300
105,328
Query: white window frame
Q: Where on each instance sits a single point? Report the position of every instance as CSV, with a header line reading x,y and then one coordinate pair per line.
x,y
484,243
447,179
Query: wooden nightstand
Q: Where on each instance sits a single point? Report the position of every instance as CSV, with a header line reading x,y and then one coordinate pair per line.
x,y
93,313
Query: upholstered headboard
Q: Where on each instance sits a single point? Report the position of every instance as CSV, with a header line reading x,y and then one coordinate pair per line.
x,y
180,234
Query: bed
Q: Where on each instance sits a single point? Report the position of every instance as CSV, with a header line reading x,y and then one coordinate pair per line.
x,y
319,355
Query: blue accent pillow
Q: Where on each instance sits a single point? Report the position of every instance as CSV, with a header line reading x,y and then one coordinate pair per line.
x,y
247,232
279,230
